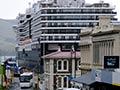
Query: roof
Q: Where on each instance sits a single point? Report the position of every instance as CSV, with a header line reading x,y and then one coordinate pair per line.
x,y
94,76
85,79
100,33
26,73
63,54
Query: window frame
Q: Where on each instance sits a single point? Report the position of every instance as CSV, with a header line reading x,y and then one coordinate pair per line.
x,y
61,85
62,65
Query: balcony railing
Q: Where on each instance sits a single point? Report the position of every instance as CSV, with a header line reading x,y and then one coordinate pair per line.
x,y
59,39
90,25
70,18
81,12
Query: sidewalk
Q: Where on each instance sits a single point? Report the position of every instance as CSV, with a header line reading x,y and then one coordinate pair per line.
x,y
14,83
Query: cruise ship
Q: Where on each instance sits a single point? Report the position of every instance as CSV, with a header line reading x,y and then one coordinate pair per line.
x,y
50,24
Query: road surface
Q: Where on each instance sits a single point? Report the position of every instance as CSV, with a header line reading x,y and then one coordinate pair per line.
x,y
16,85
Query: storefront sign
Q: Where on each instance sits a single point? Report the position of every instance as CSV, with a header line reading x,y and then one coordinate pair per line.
x,y
111,62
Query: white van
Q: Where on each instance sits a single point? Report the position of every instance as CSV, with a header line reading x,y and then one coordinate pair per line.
x,y
26,79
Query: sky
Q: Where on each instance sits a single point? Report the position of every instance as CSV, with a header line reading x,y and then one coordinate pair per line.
x,y
9,9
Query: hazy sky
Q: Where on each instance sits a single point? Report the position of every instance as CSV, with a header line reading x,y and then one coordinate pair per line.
x,y
9,9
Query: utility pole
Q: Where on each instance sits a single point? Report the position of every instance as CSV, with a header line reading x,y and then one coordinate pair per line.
x,y
39,49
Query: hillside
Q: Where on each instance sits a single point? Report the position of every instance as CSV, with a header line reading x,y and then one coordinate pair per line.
x,y
7,37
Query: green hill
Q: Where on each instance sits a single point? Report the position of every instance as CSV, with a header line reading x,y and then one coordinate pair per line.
x,y
7,37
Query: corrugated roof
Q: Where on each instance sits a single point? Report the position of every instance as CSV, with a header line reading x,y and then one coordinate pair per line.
x,y
63,54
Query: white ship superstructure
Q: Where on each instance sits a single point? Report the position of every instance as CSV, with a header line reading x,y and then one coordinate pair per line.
x,y
61,24
58,23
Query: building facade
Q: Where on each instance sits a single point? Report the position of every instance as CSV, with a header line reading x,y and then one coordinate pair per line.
x,y
60,67
97,42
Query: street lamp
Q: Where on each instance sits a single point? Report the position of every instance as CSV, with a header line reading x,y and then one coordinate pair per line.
x,y
73,56
24,57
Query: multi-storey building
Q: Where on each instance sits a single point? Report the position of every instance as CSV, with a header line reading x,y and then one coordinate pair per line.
x,y
52,23
97,42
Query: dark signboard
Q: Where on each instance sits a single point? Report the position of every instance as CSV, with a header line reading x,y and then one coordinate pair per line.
x,y
111,62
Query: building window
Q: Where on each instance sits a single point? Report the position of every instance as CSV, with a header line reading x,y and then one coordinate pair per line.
x,y
62,81
63,37
66,47
71,38
59,65
65,81
59,82
101,49
62,65
65,65
50,38
78,64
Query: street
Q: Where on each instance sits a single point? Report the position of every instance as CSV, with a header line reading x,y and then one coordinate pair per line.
x,y
16,85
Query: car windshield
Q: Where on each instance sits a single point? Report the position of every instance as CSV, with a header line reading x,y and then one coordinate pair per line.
x,y
25,78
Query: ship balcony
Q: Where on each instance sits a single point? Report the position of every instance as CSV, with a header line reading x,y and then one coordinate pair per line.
x,y
68,21
76,8
83,12
57,41
61,39
56,27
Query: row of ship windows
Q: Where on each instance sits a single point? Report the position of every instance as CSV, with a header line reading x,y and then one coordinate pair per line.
x,y
75,25
70,31
47,31
76,11
71,17
68,23
65,17
61,24
52,38
65,24
59,38
36,23
60,31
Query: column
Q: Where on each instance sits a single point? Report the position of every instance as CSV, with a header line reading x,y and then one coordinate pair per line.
x,y
73,67
51,74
